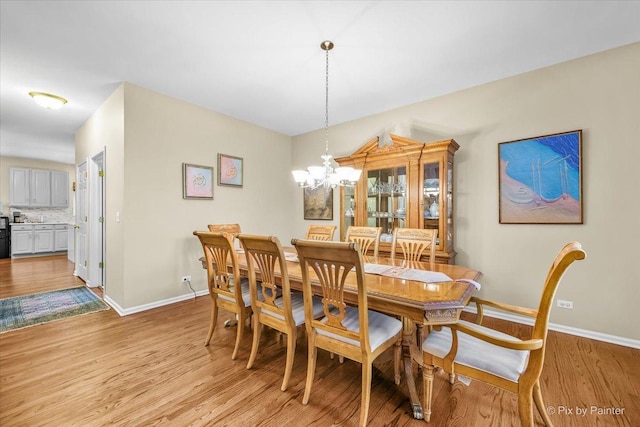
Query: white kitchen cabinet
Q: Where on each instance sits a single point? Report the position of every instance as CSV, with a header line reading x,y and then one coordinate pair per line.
x,y
60,237
29,239
38,188
43,238
19,186
21,239
59,189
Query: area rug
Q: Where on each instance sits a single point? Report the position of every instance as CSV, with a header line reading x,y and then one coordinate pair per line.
x,y
35,309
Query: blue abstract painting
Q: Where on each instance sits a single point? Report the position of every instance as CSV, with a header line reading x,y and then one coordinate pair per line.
x,y
541,179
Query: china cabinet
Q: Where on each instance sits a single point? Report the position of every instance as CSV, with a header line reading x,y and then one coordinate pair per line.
x,y
406,184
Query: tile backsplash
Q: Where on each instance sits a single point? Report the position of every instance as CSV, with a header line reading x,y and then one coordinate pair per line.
x,y
47,214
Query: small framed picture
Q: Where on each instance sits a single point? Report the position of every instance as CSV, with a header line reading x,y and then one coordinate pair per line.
x,y
197,181
318,203
229,170
540,179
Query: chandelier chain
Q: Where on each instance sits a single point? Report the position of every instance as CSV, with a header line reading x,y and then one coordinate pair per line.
x,y
326,104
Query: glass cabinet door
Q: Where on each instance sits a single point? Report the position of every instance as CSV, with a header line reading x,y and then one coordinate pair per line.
x,y
431,195
386,200
348,210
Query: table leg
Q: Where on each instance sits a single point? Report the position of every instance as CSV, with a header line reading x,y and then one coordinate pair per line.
x,y
407,359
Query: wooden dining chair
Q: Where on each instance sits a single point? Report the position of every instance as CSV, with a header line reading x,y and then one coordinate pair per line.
x,y
223,287
414,243
274,305
320,232
233,229
365,237
493,357
356,333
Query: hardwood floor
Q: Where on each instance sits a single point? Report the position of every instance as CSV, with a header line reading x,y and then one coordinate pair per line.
x,y
151,368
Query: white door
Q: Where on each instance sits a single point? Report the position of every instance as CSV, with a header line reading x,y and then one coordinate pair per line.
x,y
81,222
96,220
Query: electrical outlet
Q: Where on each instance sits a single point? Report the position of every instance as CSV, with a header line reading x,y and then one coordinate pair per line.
x,y
186,279
565,304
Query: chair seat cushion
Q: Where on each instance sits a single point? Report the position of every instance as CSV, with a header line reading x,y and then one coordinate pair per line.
x,y
297,306
478,354
381,327
246,296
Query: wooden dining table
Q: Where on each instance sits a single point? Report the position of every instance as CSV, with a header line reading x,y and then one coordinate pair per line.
x,y
415,302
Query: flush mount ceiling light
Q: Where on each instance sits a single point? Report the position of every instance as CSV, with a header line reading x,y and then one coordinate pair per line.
x,y
326,175
47,100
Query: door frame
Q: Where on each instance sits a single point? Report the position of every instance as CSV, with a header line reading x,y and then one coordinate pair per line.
x,y
97,223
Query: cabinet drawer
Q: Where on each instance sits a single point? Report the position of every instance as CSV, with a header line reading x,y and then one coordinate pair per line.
x,y
60,226
21,228
43,227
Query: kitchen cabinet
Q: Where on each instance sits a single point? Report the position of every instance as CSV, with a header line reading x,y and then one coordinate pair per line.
x,y
43,238
21,239
60,237
28,239
406,184
19,182
59,189
38,188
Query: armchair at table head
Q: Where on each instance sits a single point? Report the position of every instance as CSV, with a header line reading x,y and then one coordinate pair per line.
x,y
414,243
274,305
356,333
365,237
494,357
320,232
224,289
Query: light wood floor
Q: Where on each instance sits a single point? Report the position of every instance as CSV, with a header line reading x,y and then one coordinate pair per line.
x,y
152,368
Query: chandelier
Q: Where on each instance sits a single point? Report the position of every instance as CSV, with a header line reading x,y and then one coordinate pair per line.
x,y
326,175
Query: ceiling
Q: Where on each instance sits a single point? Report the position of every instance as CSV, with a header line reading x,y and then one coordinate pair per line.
x,y
261,61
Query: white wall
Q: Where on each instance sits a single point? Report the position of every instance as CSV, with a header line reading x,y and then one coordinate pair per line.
x,y
599,94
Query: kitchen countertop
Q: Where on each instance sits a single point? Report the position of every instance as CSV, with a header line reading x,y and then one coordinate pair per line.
x,y
43,223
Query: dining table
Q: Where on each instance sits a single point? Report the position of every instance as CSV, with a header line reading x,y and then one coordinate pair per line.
x,y
412,292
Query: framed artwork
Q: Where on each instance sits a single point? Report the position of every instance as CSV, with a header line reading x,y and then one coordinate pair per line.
x,y
318,203
197,181
540,179
229,170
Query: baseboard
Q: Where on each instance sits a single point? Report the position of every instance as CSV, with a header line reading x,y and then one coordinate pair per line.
x,y
127,311
598,336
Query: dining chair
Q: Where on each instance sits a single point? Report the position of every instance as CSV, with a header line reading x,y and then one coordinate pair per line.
x,y
274,305
320,232
493,357
365,237
233,229
223,287
414,243
356,333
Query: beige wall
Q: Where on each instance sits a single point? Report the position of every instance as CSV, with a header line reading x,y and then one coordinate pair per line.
x,y
105,130
599,94
153,246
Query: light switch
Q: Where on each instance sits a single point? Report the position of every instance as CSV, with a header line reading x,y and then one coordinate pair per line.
x,y
117,216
